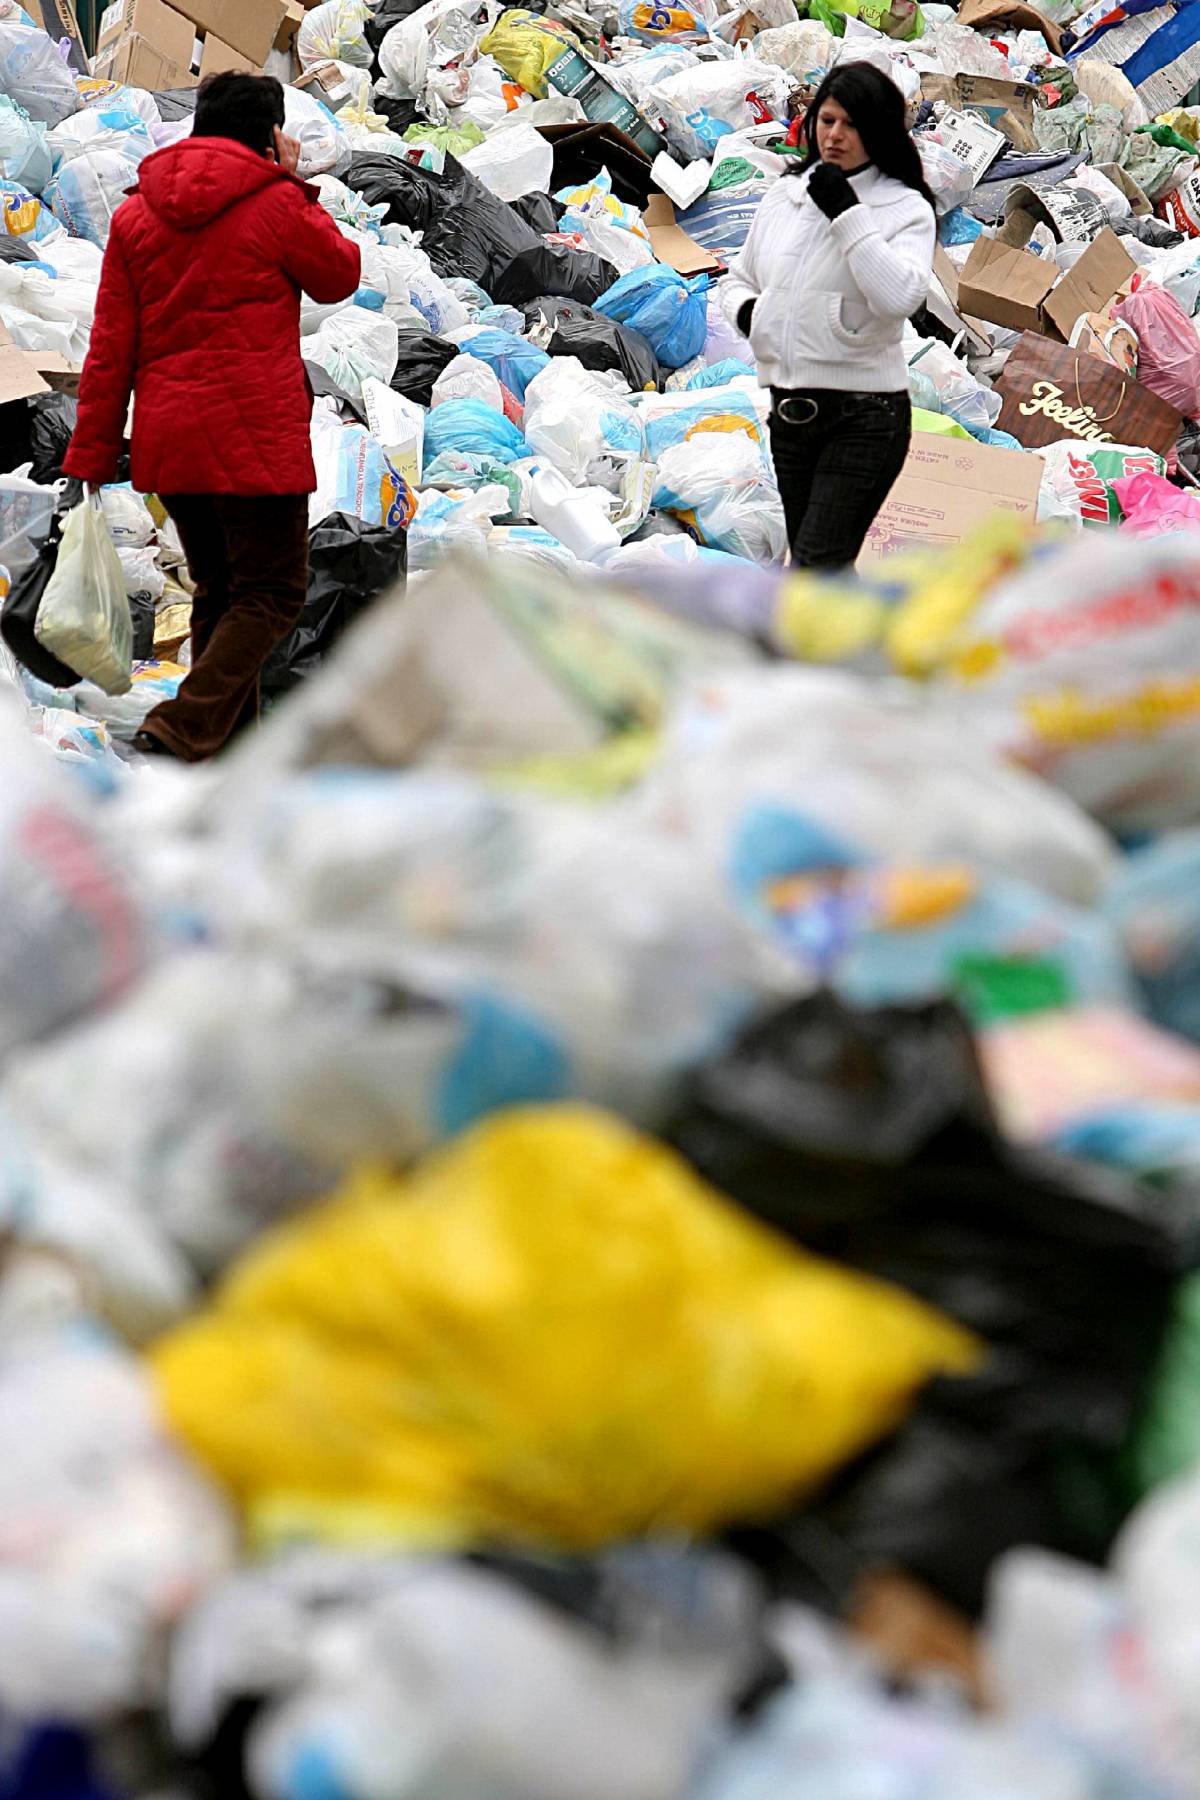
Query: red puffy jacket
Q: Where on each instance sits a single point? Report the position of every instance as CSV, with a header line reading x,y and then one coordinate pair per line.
x,y
198,316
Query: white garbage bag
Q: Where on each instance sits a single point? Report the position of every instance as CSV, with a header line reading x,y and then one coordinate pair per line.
x,y
333,32
581,424
468,378
321,139
354,346
34,75
84,616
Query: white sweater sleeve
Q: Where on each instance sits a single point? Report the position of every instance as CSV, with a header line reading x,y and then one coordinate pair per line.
x,y
746,279
892,274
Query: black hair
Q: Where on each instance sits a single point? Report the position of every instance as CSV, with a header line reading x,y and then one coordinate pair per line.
x,y
876,108
246,108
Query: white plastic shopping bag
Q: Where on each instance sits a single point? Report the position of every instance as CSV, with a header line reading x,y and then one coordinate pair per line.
x,y
84,616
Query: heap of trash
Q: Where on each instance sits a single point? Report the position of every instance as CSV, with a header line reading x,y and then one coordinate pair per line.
x,y
608,1206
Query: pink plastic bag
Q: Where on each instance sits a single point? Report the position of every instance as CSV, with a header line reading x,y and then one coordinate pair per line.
x,y
1168,347
1152,505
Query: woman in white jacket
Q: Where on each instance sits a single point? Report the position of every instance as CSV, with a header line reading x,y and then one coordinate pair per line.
x,y
838,257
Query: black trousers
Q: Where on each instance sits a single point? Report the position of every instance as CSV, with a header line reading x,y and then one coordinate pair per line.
x,y
836,456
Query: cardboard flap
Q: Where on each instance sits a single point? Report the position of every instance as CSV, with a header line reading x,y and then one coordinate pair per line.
x,y
671,243
1096,279
1005,285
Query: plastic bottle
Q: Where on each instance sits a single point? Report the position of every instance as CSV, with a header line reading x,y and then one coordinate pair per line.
x,y
576,516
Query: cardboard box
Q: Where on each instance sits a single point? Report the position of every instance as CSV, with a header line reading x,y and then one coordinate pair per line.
x,y
946,487
293,19
671,243
1004,285
248,26
1012,287
144,43
212,56
1009,15
1097,278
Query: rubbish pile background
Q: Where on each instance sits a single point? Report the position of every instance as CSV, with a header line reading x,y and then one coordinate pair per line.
x,y
609,1206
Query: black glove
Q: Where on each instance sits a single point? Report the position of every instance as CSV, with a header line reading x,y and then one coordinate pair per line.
x,y
831,191
745,314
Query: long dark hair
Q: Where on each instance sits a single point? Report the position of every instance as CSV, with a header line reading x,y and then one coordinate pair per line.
x,y
876,108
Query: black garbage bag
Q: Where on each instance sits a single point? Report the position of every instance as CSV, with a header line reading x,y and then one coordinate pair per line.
x,y
387,13
20,611
541,211
467,230
421,360
53,418
602,343
553,269
400,114
552,310
141,611
868,1136
349,563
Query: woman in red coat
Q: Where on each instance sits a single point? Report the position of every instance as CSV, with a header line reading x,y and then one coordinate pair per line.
x,y
198,317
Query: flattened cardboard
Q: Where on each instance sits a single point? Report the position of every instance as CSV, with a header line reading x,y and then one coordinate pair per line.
x,y
1004,285
248,26
671,243
1101,272
19,379
945,488
57,19
60,375
1009,15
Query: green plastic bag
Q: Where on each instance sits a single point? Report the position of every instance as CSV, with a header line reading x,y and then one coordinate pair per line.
x,y
899,19
455,140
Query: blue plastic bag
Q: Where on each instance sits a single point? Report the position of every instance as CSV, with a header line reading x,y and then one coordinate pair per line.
x,y
715,409
25,156
472,426
514,361
671,312
718,373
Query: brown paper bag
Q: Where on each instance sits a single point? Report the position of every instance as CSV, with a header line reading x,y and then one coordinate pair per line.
x,y
1051,392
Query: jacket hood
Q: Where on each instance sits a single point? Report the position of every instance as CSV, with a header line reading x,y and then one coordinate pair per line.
x,y
192,183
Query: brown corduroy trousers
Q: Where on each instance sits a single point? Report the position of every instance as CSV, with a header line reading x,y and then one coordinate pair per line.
x,y
248,555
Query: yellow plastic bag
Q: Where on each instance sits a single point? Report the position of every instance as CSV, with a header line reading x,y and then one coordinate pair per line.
x,y
525,45
924,632
935,424
552,1331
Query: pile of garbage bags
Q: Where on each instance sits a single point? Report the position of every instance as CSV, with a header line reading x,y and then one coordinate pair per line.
x,y
608,1206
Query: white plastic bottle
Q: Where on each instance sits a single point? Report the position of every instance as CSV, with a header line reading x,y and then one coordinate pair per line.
x,y
577,517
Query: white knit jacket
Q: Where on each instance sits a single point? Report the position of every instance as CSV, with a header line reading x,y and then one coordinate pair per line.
x,y
831,296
